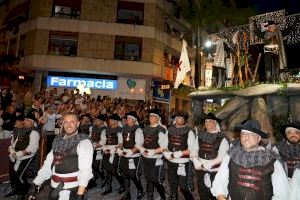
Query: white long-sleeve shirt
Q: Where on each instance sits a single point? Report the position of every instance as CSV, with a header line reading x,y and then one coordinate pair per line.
x,y
279,181
295,185
85,152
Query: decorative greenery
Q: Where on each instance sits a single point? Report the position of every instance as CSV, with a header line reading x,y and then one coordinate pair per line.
x,y
282,89
183,90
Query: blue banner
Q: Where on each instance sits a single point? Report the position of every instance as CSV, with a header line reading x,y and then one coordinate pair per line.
x,y
96,84
159,94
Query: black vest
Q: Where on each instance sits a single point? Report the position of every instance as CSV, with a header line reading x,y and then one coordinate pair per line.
x,y
251,183
23,139
178,138
96,133
112,135
66,162
128,135
209,150
151,136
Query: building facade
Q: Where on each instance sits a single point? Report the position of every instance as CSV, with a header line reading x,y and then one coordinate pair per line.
x,y
133,40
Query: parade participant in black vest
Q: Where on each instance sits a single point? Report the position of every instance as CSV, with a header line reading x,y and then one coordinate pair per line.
x,y
99,125
25,143
180,143
155,142
249,171
132,140
68,164
85,125
289,147
110,140
210,148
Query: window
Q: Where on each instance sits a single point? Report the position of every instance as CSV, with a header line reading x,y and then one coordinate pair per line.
x,y
63,44
128,48
67,9
22,43
12,50
130,13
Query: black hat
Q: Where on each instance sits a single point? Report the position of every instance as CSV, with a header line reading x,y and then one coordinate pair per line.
x,y
20,118
293,124
86,115
253,126
271,22
210,116
132,114
115,117
183,114
101,117
154,112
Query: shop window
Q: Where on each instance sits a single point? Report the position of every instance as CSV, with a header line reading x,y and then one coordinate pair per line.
x,y
12,50
63,44
69,9
22,44
128,48
130,13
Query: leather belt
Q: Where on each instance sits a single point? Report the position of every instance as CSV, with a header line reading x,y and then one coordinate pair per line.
x,y
248,177
59,179
248,185
251,171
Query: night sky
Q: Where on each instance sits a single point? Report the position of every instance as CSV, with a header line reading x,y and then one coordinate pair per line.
x,y
263,6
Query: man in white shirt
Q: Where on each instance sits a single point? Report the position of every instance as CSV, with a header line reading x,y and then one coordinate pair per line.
x,y
180,141
132,139
210,148
249,171
289,150
68,164
155,142
22,151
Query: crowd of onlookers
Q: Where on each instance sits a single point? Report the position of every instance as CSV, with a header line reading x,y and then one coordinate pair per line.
x,y
37,105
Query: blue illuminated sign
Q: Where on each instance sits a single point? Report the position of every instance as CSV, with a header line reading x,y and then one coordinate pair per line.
x,y
98,84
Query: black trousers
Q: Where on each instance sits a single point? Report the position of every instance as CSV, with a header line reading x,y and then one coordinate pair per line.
x,y
19,178
203,190
111,169
131,174
272,68
184,182
154,176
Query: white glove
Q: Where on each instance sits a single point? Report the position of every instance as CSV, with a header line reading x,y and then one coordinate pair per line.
x,y
112,151
177,154
168,155
19,154
197,163
142,150
207,165
151,152
120,152
129,153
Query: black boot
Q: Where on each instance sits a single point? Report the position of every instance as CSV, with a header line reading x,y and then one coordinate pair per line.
x,y
161,190
11,193
126,196
187,195
108,190
140,194
173,197
121,189
150,196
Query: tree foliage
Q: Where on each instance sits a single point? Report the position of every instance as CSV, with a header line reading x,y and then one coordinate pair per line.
x,y
214,15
